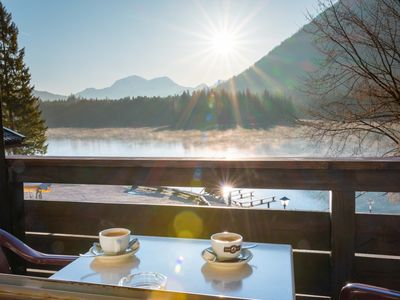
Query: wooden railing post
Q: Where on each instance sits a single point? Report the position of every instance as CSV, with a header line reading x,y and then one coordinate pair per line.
x,y
16,196
11,206
5,207
342,204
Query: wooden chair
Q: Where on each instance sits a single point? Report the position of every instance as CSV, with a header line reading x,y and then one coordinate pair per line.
x,y
10,242
357,291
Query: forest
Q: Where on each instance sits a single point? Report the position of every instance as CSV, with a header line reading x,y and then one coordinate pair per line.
x,y
203,110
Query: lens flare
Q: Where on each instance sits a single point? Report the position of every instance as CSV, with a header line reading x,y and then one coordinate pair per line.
x,y
188,225
226,189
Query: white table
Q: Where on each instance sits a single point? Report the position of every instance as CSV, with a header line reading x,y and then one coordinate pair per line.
x,y
269,275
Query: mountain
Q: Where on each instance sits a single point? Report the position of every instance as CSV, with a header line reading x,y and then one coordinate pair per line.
x,y
46,96
201,86
282,69
133,86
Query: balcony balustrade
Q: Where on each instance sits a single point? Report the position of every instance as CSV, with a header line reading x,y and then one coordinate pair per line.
x,y
330,248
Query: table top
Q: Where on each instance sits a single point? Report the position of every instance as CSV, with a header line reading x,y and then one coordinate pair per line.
x,y
269,275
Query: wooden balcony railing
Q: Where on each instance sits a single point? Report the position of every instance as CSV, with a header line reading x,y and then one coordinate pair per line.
x,y
330,248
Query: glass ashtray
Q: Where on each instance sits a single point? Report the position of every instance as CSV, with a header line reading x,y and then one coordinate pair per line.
x,y
144,280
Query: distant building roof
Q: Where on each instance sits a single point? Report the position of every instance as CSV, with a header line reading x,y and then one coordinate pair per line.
x,y
12,138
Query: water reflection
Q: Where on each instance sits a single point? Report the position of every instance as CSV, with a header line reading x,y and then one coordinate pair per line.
x,y
224,280
152,143
113,147
280,142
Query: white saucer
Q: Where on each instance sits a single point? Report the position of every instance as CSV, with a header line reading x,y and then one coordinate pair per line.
x,y
100,255
244,257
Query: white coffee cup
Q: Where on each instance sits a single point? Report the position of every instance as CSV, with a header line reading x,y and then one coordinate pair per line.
x,y
226,245
114,240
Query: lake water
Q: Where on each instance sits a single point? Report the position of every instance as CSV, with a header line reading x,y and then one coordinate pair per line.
x,y
156,148
207,146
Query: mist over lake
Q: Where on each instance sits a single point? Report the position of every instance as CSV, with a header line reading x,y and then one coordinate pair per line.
x,y
149,142
280,141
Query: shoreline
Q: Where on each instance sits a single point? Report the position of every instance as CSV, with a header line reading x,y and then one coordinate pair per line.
x,y
108,194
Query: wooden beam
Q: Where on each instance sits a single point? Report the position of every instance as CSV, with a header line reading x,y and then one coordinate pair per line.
x,y
378,271
342,238
312,273
5,208
374,175
6,203
378,234
298,163
16,196
303,230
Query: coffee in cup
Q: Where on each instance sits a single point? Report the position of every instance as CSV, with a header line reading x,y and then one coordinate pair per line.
x,y
226,245
114,240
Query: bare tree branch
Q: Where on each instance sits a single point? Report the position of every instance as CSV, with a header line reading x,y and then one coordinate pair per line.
x,y
356,87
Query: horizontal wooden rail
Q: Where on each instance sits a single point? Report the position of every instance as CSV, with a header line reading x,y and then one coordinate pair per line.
x,y
310,174
303,230
297,163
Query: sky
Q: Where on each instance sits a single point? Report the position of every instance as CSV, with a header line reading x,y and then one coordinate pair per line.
x,y
71,45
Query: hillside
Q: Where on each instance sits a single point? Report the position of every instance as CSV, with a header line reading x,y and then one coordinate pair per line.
x,y
282,70
47,96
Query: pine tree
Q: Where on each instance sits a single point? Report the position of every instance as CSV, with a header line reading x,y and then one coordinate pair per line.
x,y
21,110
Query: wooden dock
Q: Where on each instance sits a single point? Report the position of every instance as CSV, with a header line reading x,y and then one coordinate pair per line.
x,y
196,198
246,199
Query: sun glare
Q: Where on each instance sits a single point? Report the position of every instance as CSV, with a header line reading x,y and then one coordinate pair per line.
x,y
223,42
226,189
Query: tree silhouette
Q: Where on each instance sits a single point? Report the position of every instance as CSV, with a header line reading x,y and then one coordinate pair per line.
x,y
20,108
357,87
202,110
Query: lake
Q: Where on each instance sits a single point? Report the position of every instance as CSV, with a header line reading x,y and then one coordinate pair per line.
x,y
148,142
236,143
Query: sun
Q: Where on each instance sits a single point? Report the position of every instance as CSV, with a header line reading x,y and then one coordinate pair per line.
x,y
223,42
226,190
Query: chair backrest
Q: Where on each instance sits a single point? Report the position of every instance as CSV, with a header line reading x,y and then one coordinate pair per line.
x,y
4,266
10,242
357,291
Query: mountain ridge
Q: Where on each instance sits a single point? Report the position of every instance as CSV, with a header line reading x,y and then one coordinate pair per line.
x,y
47,96
130,86
134,86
